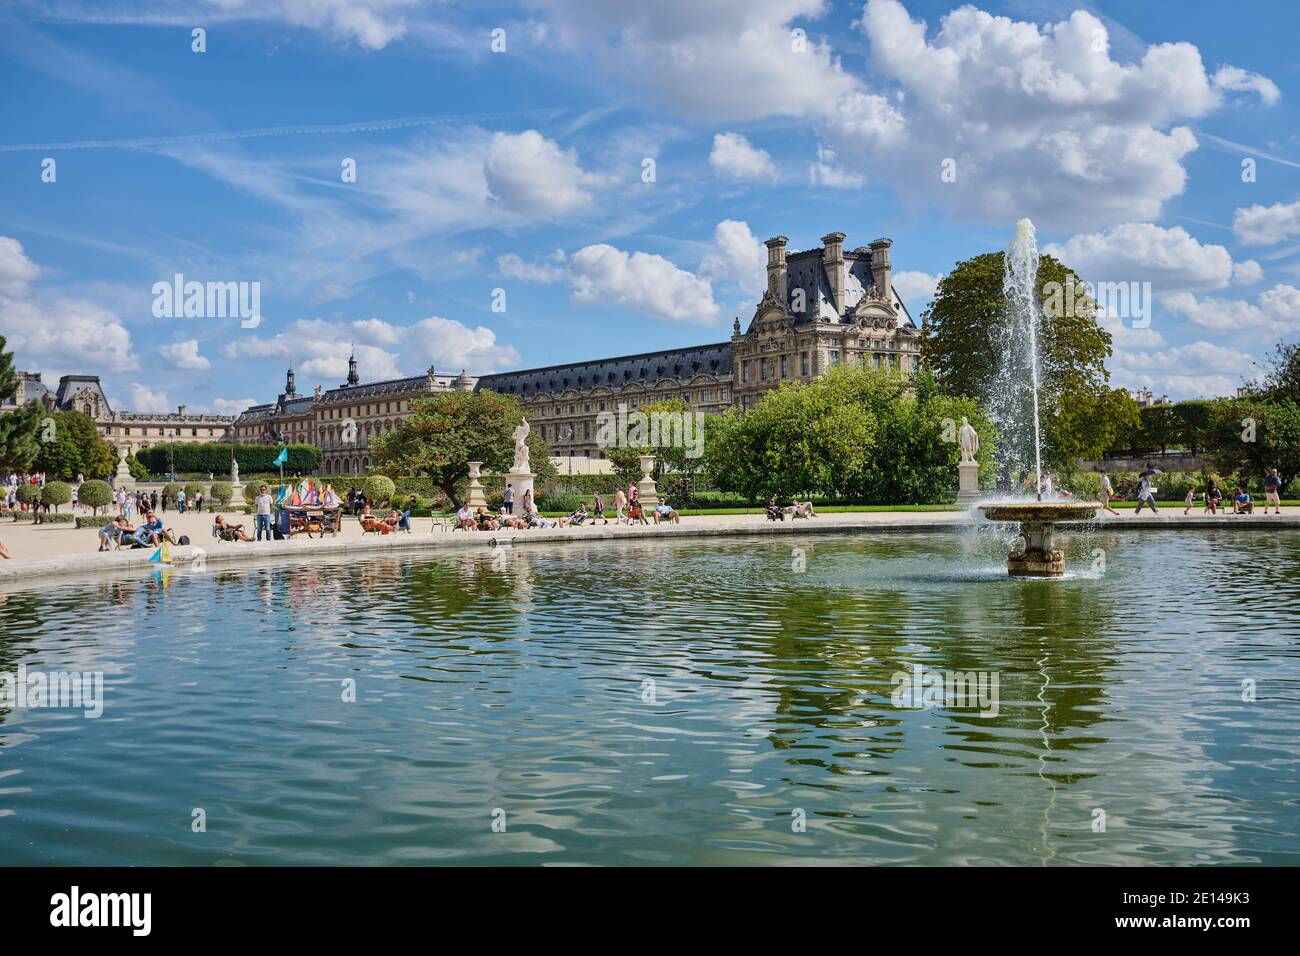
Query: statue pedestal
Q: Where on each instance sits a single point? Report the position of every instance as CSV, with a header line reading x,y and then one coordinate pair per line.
x,y
645,488
123,477
521,483
968,482
476,497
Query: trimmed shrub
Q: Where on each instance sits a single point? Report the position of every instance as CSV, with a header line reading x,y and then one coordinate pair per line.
x,y
94,494
171,490
87,521
222,492
56,493
379,489
28,494
191,489
48,517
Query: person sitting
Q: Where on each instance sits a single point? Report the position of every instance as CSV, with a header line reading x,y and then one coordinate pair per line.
x,y
229,532
774,511
403,519
665,512
1241,503
465,519
577,518
114,532
506,520
635,512
1212,497
535,520
151,532
371,524
484,521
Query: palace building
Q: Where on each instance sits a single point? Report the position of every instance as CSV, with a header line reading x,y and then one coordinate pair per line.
x,y
822,307
127,432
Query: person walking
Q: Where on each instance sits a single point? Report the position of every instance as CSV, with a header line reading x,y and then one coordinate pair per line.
x,y
263,505
620,506
1190,499
1105,492
1272,491
1146,495
598,509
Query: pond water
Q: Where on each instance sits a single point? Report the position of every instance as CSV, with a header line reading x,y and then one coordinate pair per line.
x,y
729,701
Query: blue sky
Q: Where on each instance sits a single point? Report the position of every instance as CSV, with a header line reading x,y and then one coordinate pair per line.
x,y
1119,128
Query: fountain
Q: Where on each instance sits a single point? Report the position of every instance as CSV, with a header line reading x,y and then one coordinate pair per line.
x,y
1038,557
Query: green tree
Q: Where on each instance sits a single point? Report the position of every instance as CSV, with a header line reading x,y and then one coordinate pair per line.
x,y
94,494
963,341
18,428
138,471
56,493
446,431
1250,435
28,494
222,492
70,445
1090,424
379,489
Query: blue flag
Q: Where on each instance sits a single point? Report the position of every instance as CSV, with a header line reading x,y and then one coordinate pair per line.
x,y
281,458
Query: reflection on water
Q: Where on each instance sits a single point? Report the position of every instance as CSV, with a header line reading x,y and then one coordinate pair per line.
x,y
669,702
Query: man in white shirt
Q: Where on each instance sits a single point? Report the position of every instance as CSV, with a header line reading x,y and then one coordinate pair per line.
x,y
263,519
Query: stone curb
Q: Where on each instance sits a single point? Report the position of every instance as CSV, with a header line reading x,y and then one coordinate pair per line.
x,y
249,553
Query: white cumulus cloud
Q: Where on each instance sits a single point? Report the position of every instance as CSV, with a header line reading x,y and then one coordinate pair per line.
x,y
530,174
185,355
1267,225
640,281
733,155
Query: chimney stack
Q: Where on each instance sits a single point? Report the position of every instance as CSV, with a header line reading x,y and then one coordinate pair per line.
x,y
833,261
776,274
881,269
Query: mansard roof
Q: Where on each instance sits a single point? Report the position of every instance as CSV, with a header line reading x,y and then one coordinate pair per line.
x,y
643,369
807,271
386,388
70,385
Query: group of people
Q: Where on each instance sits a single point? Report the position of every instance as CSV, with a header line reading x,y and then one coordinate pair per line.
x,y
120,533
628,509
9,493
1212,497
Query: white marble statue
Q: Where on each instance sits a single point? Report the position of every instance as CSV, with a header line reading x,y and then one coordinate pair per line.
x,y
521,466
234,472
969,440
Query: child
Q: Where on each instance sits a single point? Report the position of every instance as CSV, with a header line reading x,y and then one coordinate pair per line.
x,y
1190,499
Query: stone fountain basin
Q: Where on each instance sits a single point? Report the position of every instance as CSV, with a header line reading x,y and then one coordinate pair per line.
x,y
1036,511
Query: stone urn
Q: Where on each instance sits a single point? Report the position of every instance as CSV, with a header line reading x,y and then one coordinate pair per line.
x,y
645,488
476,496
1039,556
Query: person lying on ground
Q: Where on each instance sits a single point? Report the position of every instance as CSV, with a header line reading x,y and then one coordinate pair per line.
x,y
665,512
230,532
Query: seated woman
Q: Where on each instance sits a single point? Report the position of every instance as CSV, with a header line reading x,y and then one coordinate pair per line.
x,y
635,512
774,511
230,532
665,512
114,532
484,520
1212,497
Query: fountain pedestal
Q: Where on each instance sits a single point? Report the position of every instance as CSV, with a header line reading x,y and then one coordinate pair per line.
x,y
1039,557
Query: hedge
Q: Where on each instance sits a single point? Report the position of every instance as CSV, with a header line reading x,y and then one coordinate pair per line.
x,y
214,457
48,517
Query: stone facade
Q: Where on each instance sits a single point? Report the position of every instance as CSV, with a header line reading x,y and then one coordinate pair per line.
x,y
822,307
127,432
341,421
